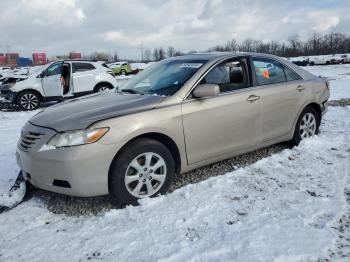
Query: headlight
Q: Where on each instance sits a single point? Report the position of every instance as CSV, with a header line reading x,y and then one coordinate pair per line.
x,y
75,138
7,87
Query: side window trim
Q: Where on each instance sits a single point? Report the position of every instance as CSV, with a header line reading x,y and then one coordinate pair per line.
x,y
250,76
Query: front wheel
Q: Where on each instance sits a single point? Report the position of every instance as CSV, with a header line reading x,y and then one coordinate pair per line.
x,y
145,168
28,100
307,125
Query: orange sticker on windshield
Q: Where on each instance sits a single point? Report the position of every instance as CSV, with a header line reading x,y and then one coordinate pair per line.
x,y
266,74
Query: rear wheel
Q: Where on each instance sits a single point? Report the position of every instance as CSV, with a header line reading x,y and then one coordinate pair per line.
x,y
307,125
123,72
28,100
145,168
102,88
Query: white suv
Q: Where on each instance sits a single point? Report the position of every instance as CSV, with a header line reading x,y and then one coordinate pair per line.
x,y
59,80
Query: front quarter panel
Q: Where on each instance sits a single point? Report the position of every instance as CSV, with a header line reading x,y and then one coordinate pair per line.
x,y
30,83
165,120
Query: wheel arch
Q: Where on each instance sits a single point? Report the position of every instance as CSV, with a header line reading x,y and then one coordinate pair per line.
x,y
314,105
160,137
317,107
102,83
30,90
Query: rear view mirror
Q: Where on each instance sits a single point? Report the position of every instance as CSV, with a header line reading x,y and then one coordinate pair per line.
x,y
206,90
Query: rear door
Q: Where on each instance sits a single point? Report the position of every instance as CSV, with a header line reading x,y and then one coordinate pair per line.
x,y
51,81
224,124
83,77
282,95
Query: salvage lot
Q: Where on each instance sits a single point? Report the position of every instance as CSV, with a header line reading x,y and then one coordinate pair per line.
x,y
286,205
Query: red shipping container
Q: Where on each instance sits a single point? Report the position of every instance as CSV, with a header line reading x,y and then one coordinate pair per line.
x,y
12,56
74,55
39,59
2,60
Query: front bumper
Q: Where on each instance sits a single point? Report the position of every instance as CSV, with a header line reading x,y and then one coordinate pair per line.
x,y
77,171
8,96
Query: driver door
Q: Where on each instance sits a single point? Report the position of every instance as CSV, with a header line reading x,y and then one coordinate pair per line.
x,y
226,124
51,81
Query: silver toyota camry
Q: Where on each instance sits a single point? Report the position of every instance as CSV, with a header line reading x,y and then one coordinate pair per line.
x,y
179,114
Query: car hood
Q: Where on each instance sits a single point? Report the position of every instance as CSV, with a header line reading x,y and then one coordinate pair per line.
x,y
80,113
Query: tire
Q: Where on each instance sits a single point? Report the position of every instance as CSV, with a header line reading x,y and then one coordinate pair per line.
x,y
123,72
131,178
28,100
102,88
312,63
308,115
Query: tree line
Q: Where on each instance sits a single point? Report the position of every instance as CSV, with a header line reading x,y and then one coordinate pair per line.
x,y
316,44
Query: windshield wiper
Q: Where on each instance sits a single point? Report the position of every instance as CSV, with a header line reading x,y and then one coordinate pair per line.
x,y
130,91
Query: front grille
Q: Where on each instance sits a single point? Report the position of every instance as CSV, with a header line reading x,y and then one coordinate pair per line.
x,y
28,140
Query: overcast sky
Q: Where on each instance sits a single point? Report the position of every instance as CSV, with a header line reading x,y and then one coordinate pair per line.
x,y
59,26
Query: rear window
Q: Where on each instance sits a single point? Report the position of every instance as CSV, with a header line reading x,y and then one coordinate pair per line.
x,y
82,67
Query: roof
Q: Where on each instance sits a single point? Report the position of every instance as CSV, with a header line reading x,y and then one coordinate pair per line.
x,y
215,55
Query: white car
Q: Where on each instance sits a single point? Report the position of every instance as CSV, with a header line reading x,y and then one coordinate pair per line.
x,y
4,69
336,59
345,59
320,60
59,80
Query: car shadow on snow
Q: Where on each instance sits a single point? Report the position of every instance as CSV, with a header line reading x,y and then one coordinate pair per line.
x,y
77,206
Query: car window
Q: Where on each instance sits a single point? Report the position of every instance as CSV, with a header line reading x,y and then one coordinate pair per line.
x,y
82,67
291,75
54,69
229,75
268,71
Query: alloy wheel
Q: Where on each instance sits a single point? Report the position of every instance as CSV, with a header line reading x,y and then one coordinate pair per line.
x,y
29,101
145,175
102,89
308,125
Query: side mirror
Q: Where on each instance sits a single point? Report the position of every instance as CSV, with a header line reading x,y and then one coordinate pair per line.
x,y
206,90
42,74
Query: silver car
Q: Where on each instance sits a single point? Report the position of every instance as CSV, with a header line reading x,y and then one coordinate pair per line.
x,y
177,115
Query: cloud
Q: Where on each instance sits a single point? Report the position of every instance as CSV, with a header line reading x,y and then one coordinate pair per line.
x,y
59,26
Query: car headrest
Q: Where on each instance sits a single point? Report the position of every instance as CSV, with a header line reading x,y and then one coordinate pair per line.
x,y
236,76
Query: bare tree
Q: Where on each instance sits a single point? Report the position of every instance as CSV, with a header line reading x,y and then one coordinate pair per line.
x,y
171,51
156,54
147,55
115,56
231,45
161,54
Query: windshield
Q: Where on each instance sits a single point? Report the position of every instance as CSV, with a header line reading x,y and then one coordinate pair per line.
x,y
163,78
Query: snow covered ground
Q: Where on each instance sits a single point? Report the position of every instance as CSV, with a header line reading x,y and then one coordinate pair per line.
x,y
282,208
339,76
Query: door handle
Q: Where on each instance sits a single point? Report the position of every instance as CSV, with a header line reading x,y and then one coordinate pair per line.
x,y
253,98
300,88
